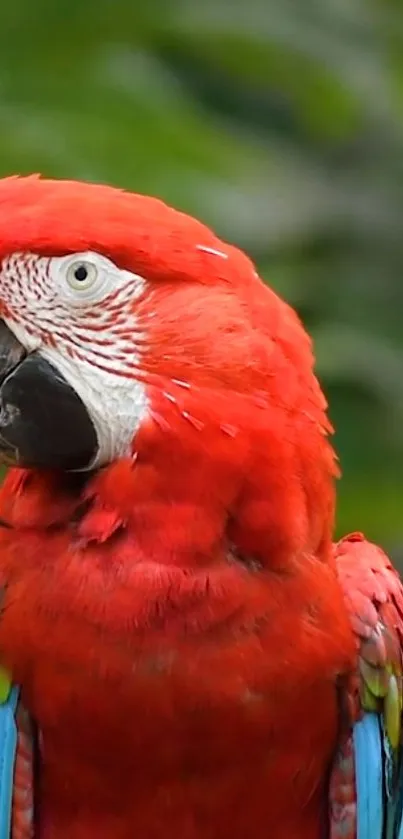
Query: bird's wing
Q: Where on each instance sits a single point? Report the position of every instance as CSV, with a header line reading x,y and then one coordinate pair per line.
x,y
366,788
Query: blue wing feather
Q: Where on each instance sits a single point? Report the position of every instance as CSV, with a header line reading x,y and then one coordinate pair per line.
x,y
379,786
369,777
8,747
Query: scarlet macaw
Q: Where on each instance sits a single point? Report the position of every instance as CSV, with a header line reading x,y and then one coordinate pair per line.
x,y
195,658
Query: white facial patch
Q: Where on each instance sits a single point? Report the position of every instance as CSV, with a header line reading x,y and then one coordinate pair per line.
x,y
78,312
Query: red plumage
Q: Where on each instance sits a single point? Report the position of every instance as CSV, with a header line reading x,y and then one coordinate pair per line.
x,y
176,621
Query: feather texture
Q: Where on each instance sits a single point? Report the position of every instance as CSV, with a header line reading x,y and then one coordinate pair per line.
x,y
373,787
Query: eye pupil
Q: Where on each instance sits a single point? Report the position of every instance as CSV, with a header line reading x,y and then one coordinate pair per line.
x,y
81,273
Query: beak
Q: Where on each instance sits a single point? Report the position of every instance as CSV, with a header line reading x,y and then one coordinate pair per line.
x,y
43,422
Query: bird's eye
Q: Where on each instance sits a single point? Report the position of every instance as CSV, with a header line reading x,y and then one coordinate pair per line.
x,y
81,275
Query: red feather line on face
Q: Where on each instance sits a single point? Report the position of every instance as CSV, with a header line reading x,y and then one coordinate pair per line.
x,y
99,332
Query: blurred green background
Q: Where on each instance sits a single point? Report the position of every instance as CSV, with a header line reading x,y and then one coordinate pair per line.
x,y
279,123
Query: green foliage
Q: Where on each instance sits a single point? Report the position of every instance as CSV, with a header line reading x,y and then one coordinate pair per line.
x,y
280,123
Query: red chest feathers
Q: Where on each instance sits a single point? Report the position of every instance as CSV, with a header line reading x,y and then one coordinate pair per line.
x,y
199,704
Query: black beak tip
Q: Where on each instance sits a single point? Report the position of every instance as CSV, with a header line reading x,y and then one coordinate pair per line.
x,y
43,421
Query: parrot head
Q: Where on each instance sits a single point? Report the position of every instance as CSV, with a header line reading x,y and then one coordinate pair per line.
x,y
118,314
